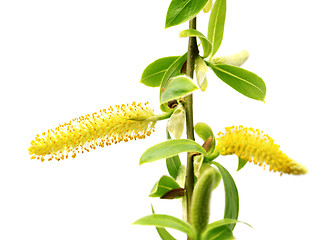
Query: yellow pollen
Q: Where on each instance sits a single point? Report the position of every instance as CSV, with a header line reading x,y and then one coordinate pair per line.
x,y
254,146
96,130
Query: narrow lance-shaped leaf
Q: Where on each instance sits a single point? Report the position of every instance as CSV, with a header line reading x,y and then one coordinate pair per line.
x,y
173,70
162,232
154,72
207,46
180,11
216,25
178,87
218,228
170,148
243,81
164,185
231,195
219,233
172,163
161,220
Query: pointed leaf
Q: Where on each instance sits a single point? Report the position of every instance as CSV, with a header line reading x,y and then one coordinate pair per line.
x,y
162,232
178,87
243,81
164,185
180,11
172,163
161,220
170,148
231,195
173,70
217,228
154,72
216,25
219,233
207,46
241,163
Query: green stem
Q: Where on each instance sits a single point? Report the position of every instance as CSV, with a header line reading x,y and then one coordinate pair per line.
x,y
190,66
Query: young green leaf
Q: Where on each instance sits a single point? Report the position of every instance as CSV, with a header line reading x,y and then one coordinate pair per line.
x,y
170,148
207,46
173,70
241,163
161,220
154,72
219,233
243,81
164,185
180,11
162,232
231,195
178,87
212,229
173,164
216,25
204,132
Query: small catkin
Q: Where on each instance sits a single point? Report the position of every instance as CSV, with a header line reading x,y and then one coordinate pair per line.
x,y
201,200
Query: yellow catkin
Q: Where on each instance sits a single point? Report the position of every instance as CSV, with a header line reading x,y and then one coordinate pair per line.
x,y
254,146
112,125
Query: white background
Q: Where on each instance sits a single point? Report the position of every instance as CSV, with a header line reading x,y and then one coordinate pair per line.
x,y
62,59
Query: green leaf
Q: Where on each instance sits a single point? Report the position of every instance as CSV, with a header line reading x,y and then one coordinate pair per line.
x,y
219,228
180,11
241,163
154,72
164,185
219,233
160,220
170,148
231,195
172,163
162,232
207,46
173,70
204,132
216,25
178,87
243,81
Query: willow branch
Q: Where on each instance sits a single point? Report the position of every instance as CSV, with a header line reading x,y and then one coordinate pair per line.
x,y
190,66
